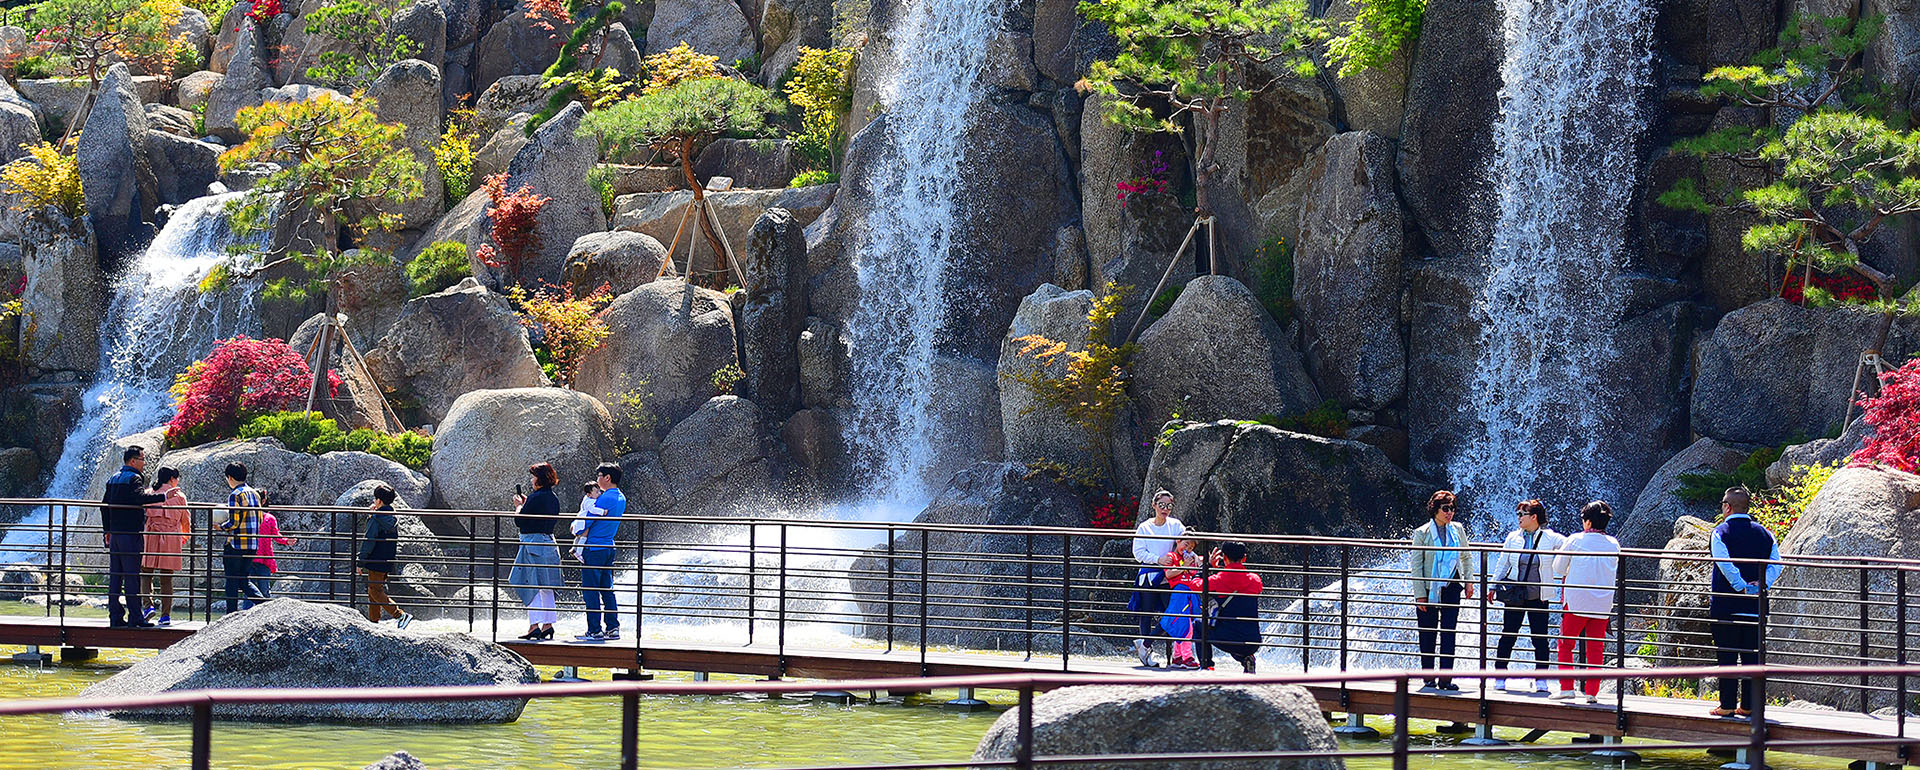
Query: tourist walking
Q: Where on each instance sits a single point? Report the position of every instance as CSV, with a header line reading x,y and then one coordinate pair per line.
x,y
123,519
1523,591
596,578
1589,565
536,568
1152,539
167,526
1746,561
1440,577
260,573
379,550
1233,616
242,526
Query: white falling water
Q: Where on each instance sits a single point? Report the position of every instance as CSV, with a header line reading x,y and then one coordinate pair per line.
x,y
157,323
1565,171
903,252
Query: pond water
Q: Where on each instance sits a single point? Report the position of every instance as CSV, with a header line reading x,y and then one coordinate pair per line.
x,y
583,734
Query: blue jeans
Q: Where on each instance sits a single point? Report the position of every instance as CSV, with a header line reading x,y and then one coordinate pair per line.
x,y
237,564
260,583
596,584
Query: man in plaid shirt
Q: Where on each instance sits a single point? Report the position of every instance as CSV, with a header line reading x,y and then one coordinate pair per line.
x,y
243,526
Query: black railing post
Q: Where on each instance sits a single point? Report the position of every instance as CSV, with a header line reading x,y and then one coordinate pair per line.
x,y
630,730
494,582
353,561
1401,705
1865,653
211,534
639,593
1757,742
1029,606
1900,636
1486,614
890,578
66,545
473,546
1066,599
1023,746
203,735
1202,648
753,582
333,554
1306,609
1620,642
782,628
1346,565
923,602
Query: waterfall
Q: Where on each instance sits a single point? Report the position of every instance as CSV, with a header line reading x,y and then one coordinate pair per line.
x,y
157,323
1565,172
903,252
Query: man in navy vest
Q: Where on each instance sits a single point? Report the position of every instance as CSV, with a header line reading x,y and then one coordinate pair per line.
x,y
1743,550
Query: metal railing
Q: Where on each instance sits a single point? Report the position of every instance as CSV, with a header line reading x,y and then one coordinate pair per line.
x,y
1043,593
200,706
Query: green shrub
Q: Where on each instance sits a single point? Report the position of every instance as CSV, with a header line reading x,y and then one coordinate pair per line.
x,y
601,177
1273,278
811,178
309,432
440,265
41,65
1163,301
1327,419
1707,487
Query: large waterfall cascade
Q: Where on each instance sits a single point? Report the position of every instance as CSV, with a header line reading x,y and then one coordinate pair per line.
x,y
157,323
903,251
1565,170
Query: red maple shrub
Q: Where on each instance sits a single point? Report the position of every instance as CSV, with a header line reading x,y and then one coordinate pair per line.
x,y
1895,417
514,216
240,379
1115,513
1843,288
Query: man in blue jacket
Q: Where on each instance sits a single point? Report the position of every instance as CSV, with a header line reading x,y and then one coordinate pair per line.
x,y
123,516
596,577
1742,550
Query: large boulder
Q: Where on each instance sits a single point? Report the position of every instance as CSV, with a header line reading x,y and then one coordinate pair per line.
x,y
191,91
726,458
182,167
425,23
515,45
751,164
1679,627
287,643
555,163
1135,238
1222,476
1375,98
774,312
658,214
1775,372
62,101
288,477
712,27
1130,719
407,94
668,340
619,259
243,85
19,124
65,300
119,183
1860,514
445,344
996,497
1446,139
1346,273
490,437
1218,354
1649,524
1033,430
1820,451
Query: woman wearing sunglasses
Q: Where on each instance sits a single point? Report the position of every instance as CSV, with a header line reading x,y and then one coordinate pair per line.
x,y
1441,575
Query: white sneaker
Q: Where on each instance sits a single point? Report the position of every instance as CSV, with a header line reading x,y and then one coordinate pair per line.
x,y
405,618
1499,684
1561,695
1593,699
1144,653
1542,688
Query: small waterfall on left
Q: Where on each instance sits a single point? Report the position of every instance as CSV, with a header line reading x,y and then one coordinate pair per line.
x,y
157,323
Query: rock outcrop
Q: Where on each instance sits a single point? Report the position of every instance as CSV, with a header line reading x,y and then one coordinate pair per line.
x,y
619,259
1217,354
448,343
1346,272
490,437
773,312
668,340
1772,371
1130,719
286,643
119,183
554,163
1033,430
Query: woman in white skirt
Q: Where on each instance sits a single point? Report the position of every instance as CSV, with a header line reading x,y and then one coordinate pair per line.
x,y
536,569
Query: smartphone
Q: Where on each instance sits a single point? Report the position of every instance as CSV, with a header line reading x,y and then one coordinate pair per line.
x,y
516,490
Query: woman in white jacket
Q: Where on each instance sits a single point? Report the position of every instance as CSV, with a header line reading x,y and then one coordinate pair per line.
x,y
1589,564
1525,594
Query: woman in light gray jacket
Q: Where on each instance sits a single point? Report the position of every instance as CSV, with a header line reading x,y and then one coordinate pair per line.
x,y
1441,575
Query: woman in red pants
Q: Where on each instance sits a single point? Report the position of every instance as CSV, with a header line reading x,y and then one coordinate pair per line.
x,y
1589,563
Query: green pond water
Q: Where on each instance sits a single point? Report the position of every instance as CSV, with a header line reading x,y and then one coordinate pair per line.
x,y
583,734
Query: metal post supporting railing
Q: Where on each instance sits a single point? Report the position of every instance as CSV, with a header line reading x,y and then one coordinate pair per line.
x,y
1066,599
781,628
1203,649
1401,705
1757,745
640,596
66,544
1306,609
353,563
1346,577
1864,680
630,729
203,735
1900,635
206,612
753,583
890,558
494,581
473,547
1028,626
1620,642
923,602
1023,745
1485,615
55,598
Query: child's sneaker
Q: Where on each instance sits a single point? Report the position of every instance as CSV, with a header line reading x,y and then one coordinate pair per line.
x,y
165,620
405,618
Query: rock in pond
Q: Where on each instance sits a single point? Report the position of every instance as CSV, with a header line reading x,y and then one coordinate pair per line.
x,y
1126,719
287,643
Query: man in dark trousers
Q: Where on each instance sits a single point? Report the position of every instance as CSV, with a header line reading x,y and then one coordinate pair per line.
x,y
124,517
1741,549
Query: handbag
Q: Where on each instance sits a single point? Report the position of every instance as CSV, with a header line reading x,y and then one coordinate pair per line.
x,y
1516,592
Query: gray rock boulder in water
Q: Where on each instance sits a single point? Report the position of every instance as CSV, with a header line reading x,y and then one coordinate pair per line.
x,y
287,643
1218,354
1129,719
398,760
1223,478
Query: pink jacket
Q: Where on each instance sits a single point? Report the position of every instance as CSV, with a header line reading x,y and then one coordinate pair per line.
x,y
270,536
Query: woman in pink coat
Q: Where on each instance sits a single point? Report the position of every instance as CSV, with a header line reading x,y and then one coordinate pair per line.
x,y
167,524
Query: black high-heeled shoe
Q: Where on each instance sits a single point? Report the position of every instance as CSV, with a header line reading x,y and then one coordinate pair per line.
x,y
547,634
532,635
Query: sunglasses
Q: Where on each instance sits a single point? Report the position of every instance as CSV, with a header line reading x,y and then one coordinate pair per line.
x,y
1449,507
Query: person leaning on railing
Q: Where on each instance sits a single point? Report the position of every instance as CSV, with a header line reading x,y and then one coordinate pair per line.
x,y
536,567
1742,549
1440,576
379,549
243,528
1521,589
124,521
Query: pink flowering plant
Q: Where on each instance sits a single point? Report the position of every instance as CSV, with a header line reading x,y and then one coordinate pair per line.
x,y
1152,180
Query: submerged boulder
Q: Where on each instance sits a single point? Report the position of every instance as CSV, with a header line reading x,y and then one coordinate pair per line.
x,y
287,643
1130,719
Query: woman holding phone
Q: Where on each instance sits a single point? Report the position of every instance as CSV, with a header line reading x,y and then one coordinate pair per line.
x,y
536,569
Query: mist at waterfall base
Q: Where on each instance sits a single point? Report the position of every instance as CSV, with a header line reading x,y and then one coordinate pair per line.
x,y
1547,400
157,323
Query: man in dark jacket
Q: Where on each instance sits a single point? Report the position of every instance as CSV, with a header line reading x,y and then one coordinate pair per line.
x,y
124,517
1747,560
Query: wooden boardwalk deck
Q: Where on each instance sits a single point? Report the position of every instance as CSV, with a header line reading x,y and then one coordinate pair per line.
x,y
1685,721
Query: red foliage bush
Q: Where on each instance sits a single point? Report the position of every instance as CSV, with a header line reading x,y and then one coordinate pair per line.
x,y
1845,287
239,379
1116,513
263,11
1895,417
514,216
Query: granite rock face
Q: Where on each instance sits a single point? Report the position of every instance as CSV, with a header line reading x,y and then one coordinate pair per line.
x,y
1124,719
